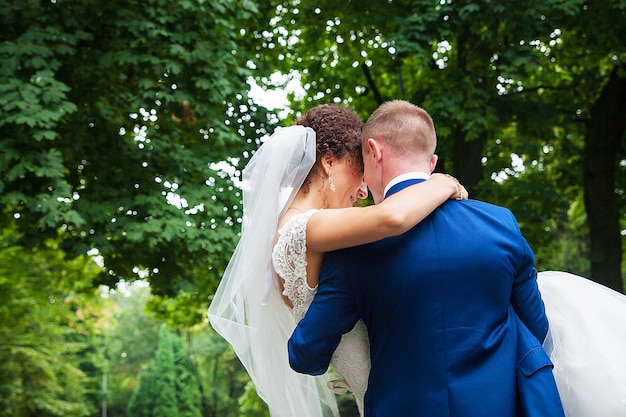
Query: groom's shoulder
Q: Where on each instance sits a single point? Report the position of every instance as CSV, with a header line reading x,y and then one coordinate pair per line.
x,y
478,205
477,209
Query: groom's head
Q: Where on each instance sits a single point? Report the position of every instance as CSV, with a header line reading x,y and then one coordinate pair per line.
x,y
398,137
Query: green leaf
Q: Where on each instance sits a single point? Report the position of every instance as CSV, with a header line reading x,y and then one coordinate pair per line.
x,y
45,135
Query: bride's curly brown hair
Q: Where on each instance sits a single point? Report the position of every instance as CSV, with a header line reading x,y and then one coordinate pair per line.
x,y
338,131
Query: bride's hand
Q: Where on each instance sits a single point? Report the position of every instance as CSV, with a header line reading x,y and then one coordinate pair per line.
x,y
458,191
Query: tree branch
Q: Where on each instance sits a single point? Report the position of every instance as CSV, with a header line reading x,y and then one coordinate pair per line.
x,y
370,82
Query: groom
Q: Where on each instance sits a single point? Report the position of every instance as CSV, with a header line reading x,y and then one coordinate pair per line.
x,y
452,308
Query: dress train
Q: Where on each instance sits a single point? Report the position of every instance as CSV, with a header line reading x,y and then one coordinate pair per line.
x,y
587,344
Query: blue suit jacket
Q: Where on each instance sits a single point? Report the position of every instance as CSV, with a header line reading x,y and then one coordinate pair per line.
x,y
453,313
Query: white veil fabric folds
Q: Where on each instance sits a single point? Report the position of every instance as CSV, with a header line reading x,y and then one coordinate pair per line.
x,y
247,309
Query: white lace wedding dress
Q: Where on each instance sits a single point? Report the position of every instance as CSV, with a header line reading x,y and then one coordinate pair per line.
x,y
351,359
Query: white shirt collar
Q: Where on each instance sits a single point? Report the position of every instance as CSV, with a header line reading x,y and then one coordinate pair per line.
x,y
406,176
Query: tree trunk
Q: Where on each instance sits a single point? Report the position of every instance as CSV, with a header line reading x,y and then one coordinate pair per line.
x,y
466,161
606,129
467,155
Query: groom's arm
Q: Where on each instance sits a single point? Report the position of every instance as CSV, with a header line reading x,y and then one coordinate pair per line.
x,y
330,315
526,298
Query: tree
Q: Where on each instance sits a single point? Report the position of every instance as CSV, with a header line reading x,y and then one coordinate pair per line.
x,y
223,377
130,343
599,74
112,116
168,387
49,320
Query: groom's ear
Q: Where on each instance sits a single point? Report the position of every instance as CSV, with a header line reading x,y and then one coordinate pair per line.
x,y
433,162
375,150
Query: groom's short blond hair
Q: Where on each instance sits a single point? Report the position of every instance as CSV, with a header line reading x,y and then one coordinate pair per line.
x,y
406,128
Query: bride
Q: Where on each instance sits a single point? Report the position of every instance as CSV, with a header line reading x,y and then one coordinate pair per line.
x,y
257,304
292,187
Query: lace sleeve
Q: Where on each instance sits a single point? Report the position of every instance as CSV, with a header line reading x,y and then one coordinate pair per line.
x,y
289,260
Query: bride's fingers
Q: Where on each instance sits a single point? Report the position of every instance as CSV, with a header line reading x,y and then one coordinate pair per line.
x,y
463,194
461,191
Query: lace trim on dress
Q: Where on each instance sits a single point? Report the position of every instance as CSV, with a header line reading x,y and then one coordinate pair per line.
x,y
289,260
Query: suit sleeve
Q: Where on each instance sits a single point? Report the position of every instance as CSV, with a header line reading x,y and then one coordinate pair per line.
x,y
526,298
331,314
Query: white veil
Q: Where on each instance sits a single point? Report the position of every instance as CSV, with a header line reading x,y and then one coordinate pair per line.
x,y
247,309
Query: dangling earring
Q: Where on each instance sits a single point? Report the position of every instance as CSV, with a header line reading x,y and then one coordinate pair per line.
x,y
331,182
